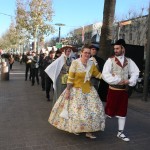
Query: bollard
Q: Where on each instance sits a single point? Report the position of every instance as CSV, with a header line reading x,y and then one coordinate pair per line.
x,y
4,72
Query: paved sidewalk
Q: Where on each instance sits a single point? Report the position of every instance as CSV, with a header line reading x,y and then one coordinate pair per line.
x,y
136,102
24,112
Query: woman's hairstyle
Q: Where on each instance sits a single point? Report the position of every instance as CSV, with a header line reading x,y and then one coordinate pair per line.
x,y
67,49
84,47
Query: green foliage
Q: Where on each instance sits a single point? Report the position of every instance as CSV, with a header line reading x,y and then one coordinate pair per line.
x,y
35,16
9,39
32,21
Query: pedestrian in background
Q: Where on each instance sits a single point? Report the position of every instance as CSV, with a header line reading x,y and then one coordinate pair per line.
x,y
58,54
99,62
58,72
48,81
119,72
100,85
43,55
34,68
28,60
20,58
11,61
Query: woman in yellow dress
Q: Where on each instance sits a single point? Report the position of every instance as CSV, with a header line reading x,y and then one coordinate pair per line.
x,y
85,112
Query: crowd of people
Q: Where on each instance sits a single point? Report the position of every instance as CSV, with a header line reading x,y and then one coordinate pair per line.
x,y
80,83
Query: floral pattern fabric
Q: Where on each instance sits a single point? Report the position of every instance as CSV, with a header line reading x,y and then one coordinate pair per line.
x,y
85,109
86,113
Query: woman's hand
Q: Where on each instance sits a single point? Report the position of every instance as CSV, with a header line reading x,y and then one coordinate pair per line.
x,y
67,94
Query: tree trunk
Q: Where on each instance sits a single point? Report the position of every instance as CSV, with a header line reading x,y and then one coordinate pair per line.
x,y
147,63
34,49
106,31
35,40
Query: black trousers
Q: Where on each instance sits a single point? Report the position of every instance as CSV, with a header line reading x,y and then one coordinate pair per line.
x,y
48,84
42,74
28,69
10,66
103,90
34,74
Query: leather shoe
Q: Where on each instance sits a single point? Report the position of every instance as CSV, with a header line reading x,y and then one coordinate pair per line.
x,y
121,135
89,135
76,133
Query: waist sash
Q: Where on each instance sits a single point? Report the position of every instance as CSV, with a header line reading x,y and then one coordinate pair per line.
x,y
119,86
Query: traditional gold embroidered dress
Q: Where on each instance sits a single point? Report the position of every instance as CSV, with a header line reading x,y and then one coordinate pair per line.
x,y
85,109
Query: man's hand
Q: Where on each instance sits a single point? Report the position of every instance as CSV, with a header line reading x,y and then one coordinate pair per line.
x,y
126,82
121,82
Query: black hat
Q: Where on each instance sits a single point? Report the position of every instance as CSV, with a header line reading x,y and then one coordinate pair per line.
x,y
120,42
94,46
58,52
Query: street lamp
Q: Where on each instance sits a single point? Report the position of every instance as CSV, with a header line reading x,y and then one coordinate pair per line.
x,y
59,24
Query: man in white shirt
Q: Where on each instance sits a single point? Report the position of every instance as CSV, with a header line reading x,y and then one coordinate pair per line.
x,y
119,72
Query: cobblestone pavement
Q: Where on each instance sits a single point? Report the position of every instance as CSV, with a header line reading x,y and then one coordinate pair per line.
x,y
24,112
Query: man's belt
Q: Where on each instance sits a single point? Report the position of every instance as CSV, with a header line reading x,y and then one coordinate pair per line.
x,y
119,86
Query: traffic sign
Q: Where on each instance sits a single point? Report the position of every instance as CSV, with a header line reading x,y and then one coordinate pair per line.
x,y
58,45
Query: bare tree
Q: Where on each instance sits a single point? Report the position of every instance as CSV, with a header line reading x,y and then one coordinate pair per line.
x,y
51,42
34,16
75,38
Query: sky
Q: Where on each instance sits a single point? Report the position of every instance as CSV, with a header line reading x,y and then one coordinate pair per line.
x,y
73,13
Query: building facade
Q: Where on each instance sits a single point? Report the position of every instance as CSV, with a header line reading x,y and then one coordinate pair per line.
x,y
87,34
133,31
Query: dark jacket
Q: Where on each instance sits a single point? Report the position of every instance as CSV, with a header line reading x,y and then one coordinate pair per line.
x,y
35,62
47,61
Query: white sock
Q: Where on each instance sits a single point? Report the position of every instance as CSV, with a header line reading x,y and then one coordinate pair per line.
x,y
121,123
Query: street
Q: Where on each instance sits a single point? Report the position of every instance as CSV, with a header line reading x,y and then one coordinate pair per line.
x,y
24,113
